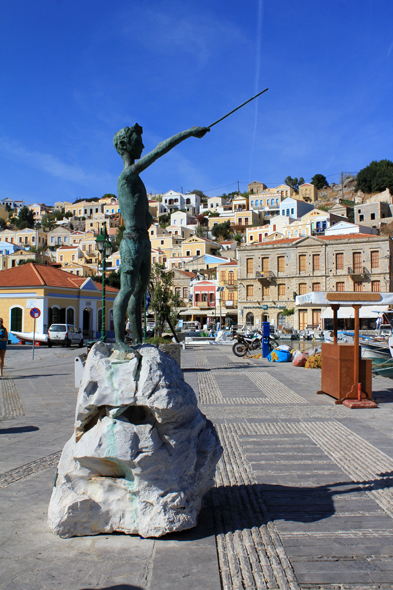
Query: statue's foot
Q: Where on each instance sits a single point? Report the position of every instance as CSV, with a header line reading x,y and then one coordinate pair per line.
x,y
125,352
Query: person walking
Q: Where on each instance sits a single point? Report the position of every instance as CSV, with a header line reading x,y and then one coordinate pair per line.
x,y
3,345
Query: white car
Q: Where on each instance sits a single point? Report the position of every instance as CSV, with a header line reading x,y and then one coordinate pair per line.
x,y
65,334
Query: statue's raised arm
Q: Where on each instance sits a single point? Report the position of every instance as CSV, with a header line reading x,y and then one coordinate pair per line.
x,y
165,146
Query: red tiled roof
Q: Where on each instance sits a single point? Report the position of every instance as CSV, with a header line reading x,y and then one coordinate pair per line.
x,y
36,275
185,272
230,263
346,236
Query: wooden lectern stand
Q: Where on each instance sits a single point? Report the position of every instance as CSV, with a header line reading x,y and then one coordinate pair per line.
x,y
345,375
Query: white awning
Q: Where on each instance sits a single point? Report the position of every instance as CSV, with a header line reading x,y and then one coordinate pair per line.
x,y
366,311
343,298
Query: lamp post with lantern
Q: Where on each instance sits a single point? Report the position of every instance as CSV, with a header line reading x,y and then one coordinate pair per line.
x,y
105,248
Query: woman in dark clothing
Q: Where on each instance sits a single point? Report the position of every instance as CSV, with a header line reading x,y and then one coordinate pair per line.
x,y
3,345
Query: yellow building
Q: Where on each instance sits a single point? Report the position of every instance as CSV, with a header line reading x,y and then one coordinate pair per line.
x,y
68,254
60,296
308,192
227,278
196,246
80,270
25,237
257,233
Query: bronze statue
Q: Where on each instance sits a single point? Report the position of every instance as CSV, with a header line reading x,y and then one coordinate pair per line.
x,y
135,247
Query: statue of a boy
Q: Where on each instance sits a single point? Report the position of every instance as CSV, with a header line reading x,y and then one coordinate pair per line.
x,y
135,247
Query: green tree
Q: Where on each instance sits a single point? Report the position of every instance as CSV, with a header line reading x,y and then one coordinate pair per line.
x,y
3,223
163,300
294,182
376,177
238,238
319,181
222,230
112,279
200,231
25,217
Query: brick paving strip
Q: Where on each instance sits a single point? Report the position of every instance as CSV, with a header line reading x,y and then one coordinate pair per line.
x,y
14,475
10,404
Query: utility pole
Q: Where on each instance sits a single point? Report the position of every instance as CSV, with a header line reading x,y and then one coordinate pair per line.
x,y
342,185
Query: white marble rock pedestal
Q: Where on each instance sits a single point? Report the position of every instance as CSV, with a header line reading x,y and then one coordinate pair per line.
x,y
142,455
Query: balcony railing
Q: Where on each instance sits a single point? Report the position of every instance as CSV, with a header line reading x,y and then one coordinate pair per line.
x,y
357,272
205,304
264,275
231,284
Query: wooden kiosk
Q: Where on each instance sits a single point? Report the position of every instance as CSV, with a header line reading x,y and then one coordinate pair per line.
x,y
345,375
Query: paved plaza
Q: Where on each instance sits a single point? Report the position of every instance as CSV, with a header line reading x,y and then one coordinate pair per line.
x,y
303,495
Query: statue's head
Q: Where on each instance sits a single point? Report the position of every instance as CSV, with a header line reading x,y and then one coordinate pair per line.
x,y
129,140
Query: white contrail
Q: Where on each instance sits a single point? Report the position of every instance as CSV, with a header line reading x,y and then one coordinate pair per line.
x,y
256,87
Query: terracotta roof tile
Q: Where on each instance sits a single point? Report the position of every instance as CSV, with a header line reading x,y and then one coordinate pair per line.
x,y
36,275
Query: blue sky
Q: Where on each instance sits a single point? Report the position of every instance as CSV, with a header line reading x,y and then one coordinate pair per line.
x,y
74,72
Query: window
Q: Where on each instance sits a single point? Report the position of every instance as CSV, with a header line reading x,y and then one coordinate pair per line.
x,y
375,259
292,211
61,257
177,291
357,261
222,275
250,266
256,203
188,252
302,288
249,292
265,264
281,291
358,286
231,296
302,263
16,319
339,261
251,238
52,239
265,291
340,286
231,278
316,286
361,217
240,221
186,293
70,315
376,286
252,202
372,216
246,221
316,262
198,252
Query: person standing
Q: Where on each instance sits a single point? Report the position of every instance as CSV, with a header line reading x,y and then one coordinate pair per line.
x,y
3,345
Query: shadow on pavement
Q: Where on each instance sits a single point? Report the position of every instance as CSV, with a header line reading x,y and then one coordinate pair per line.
x,y
18,429
117,587
256,504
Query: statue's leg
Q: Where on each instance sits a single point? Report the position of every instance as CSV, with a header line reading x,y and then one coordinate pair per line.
x,y
137,297
128,279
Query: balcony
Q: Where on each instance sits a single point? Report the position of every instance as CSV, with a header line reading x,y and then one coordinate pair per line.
x,y
231,284
205,304
357,273
265,276
230,304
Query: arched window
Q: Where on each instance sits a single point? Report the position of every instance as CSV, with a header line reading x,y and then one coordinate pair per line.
x,y
250,318
70,315
16,319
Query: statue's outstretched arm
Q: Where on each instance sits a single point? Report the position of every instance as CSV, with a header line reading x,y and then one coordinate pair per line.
x,y
165,146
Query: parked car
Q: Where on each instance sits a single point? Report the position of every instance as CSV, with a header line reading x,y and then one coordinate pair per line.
x,y
65,334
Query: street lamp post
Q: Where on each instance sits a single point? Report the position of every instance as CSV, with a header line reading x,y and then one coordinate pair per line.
x,y
105,248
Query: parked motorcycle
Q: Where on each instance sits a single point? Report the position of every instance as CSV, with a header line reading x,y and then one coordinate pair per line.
x,y
246,343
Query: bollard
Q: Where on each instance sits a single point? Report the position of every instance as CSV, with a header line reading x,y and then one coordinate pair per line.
x,y
265,339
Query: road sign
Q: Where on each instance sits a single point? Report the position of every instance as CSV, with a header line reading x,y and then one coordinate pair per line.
x,y
35,313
